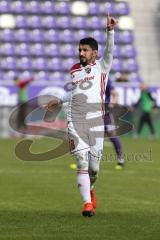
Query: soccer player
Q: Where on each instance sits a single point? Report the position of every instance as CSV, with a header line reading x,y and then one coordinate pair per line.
x,y
86,113
146,103
111,97
22,100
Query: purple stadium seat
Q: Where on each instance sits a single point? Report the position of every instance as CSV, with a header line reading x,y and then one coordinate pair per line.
x,y
36,35
54,64
93,8
63,22
22,49
134,77
52,50
116,37
39,63
100,36
7,35
42,76
129,65
8,63
4,6
95,22
56,77
51,35
117,51
66,36
7,49
25,74
34,21
21,21
18,7
32,7
68,63
107,8
24,63
126,37
47,7
63,8
68,50
121,8
21,35
9,75
49,22
128,51
2,77
79,34
79,22
116,65
46,37
37,49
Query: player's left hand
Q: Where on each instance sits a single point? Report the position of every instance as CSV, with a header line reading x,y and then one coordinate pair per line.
x,y
111,22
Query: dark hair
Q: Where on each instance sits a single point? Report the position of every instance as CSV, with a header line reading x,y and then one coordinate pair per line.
x,y
89,41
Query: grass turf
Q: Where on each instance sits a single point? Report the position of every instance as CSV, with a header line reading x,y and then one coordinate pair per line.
x,y
40,200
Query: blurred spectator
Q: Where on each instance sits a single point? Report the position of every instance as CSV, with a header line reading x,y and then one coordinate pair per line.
x,y
122,78
146,104
22,100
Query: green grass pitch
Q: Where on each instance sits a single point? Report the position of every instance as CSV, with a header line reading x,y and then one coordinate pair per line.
x,y
40,200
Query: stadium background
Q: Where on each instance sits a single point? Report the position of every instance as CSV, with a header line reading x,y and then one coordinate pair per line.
x,y
39,38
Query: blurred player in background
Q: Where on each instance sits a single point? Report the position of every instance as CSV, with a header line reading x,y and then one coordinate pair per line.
x,y
86,115
112,97
22,85
146,104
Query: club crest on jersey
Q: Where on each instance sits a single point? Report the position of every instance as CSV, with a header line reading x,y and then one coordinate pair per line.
x,y
72,75
88,70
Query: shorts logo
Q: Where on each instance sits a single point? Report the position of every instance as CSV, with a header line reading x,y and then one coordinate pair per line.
x,y
88,70
71,144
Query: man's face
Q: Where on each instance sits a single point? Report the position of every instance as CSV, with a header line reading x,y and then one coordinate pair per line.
x,y
86,54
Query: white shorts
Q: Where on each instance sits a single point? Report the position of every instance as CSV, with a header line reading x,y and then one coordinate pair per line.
x,y
88,136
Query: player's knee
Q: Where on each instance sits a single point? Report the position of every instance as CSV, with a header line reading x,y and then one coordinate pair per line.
x,y
94,162
82,160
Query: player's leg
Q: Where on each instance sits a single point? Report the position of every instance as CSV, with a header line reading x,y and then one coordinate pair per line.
x,y
118,149
142,121
96,140
83,181
150,123
81,152
94,164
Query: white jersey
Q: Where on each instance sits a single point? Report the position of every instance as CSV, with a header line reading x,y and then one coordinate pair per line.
x,y
88,85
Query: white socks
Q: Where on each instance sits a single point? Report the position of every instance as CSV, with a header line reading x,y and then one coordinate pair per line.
x,y
83,181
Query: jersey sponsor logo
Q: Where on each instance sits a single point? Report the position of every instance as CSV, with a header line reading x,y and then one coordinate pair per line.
x,y
84,80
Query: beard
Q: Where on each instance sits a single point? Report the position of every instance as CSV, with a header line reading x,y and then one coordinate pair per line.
x,y
83,61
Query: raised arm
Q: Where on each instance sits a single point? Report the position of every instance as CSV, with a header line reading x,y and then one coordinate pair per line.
x,y
107,57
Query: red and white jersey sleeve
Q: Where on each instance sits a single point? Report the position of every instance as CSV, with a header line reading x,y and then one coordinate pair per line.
x,y
89,83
